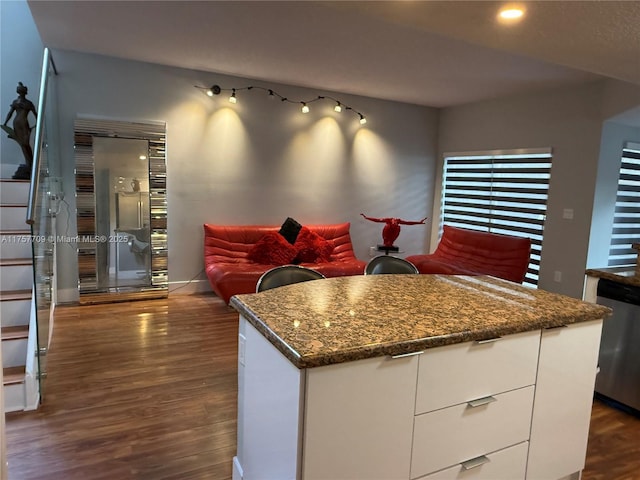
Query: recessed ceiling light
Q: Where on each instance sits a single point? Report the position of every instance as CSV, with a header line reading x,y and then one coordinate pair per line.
x,y
511,14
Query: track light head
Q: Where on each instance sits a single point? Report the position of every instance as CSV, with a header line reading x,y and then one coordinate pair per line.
x,y
214,90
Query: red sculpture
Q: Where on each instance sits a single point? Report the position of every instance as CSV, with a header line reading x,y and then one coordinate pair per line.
x,y
392,228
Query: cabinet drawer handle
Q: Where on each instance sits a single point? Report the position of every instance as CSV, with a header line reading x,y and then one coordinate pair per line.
x,y
487,340
411,354
475,462
478,402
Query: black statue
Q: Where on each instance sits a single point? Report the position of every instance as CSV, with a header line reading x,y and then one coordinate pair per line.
x,y
21,131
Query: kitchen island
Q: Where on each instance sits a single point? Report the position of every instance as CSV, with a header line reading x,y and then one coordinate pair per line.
x,y
413,377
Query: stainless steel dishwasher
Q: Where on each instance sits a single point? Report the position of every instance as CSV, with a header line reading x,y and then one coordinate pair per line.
x,y
619,360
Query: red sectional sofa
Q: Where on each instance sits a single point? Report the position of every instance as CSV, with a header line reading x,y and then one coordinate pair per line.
x,y
231,272
470,252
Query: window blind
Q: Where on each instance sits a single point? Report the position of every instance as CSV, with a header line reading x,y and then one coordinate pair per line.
x,y
626,219
501,191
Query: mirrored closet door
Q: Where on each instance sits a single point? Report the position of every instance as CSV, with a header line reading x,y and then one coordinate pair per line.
x,y
121,210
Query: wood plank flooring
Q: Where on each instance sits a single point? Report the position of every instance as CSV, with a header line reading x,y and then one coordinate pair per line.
x,y
147,390
613,452
138,390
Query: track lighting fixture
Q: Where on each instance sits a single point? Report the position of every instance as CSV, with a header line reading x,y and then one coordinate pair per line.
x,y
338,107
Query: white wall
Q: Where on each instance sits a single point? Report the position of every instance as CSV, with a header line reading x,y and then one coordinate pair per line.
x,y
621,115
20,61
614,136
570,121
258,161
621,102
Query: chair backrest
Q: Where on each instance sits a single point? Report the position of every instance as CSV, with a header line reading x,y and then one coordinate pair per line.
x,y
231,243
499,255
285,275
389,264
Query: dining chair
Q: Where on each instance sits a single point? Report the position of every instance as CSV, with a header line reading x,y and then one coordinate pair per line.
x,y
285,275
389,264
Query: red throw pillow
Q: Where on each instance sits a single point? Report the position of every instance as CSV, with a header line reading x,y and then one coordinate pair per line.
x,y
311,247
272,249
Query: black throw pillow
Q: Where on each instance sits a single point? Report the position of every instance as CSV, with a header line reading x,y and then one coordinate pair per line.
x,y
290,229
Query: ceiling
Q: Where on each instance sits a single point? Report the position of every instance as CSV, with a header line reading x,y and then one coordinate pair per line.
x,y
435,53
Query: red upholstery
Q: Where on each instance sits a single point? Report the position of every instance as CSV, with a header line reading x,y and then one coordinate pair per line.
x,y
230,272
469,252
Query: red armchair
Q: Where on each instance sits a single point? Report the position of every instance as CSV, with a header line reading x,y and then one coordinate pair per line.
x,y
469,252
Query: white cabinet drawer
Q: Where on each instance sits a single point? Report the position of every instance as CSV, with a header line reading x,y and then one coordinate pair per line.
x,y
507,464
457,373
453,435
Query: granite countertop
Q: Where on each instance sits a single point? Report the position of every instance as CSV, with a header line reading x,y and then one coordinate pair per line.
x,y
626,275
342,319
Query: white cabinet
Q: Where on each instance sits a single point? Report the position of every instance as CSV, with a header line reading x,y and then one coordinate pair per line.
x,y
269,410
345,421
472,399
563,400
359,419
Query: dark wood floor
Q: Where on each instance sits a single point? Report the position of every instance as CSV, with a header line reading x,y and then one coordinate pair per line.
x,y
147,390
613,452
139,390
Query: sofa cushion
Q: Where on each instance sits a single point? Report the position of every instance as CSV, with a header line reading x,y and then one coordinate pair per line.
x,y
430,264
272,249
340,237
312,248
229,244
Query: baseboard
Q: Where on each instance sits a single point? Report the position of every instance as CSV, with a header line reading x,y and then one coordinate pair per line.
x,y
186,287
31,392
189,287
14,397
67,295
573,476
237,470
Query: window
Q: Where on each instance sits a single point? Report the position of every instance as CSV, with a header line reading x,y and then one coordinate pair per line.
x,y
626,219
501,191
